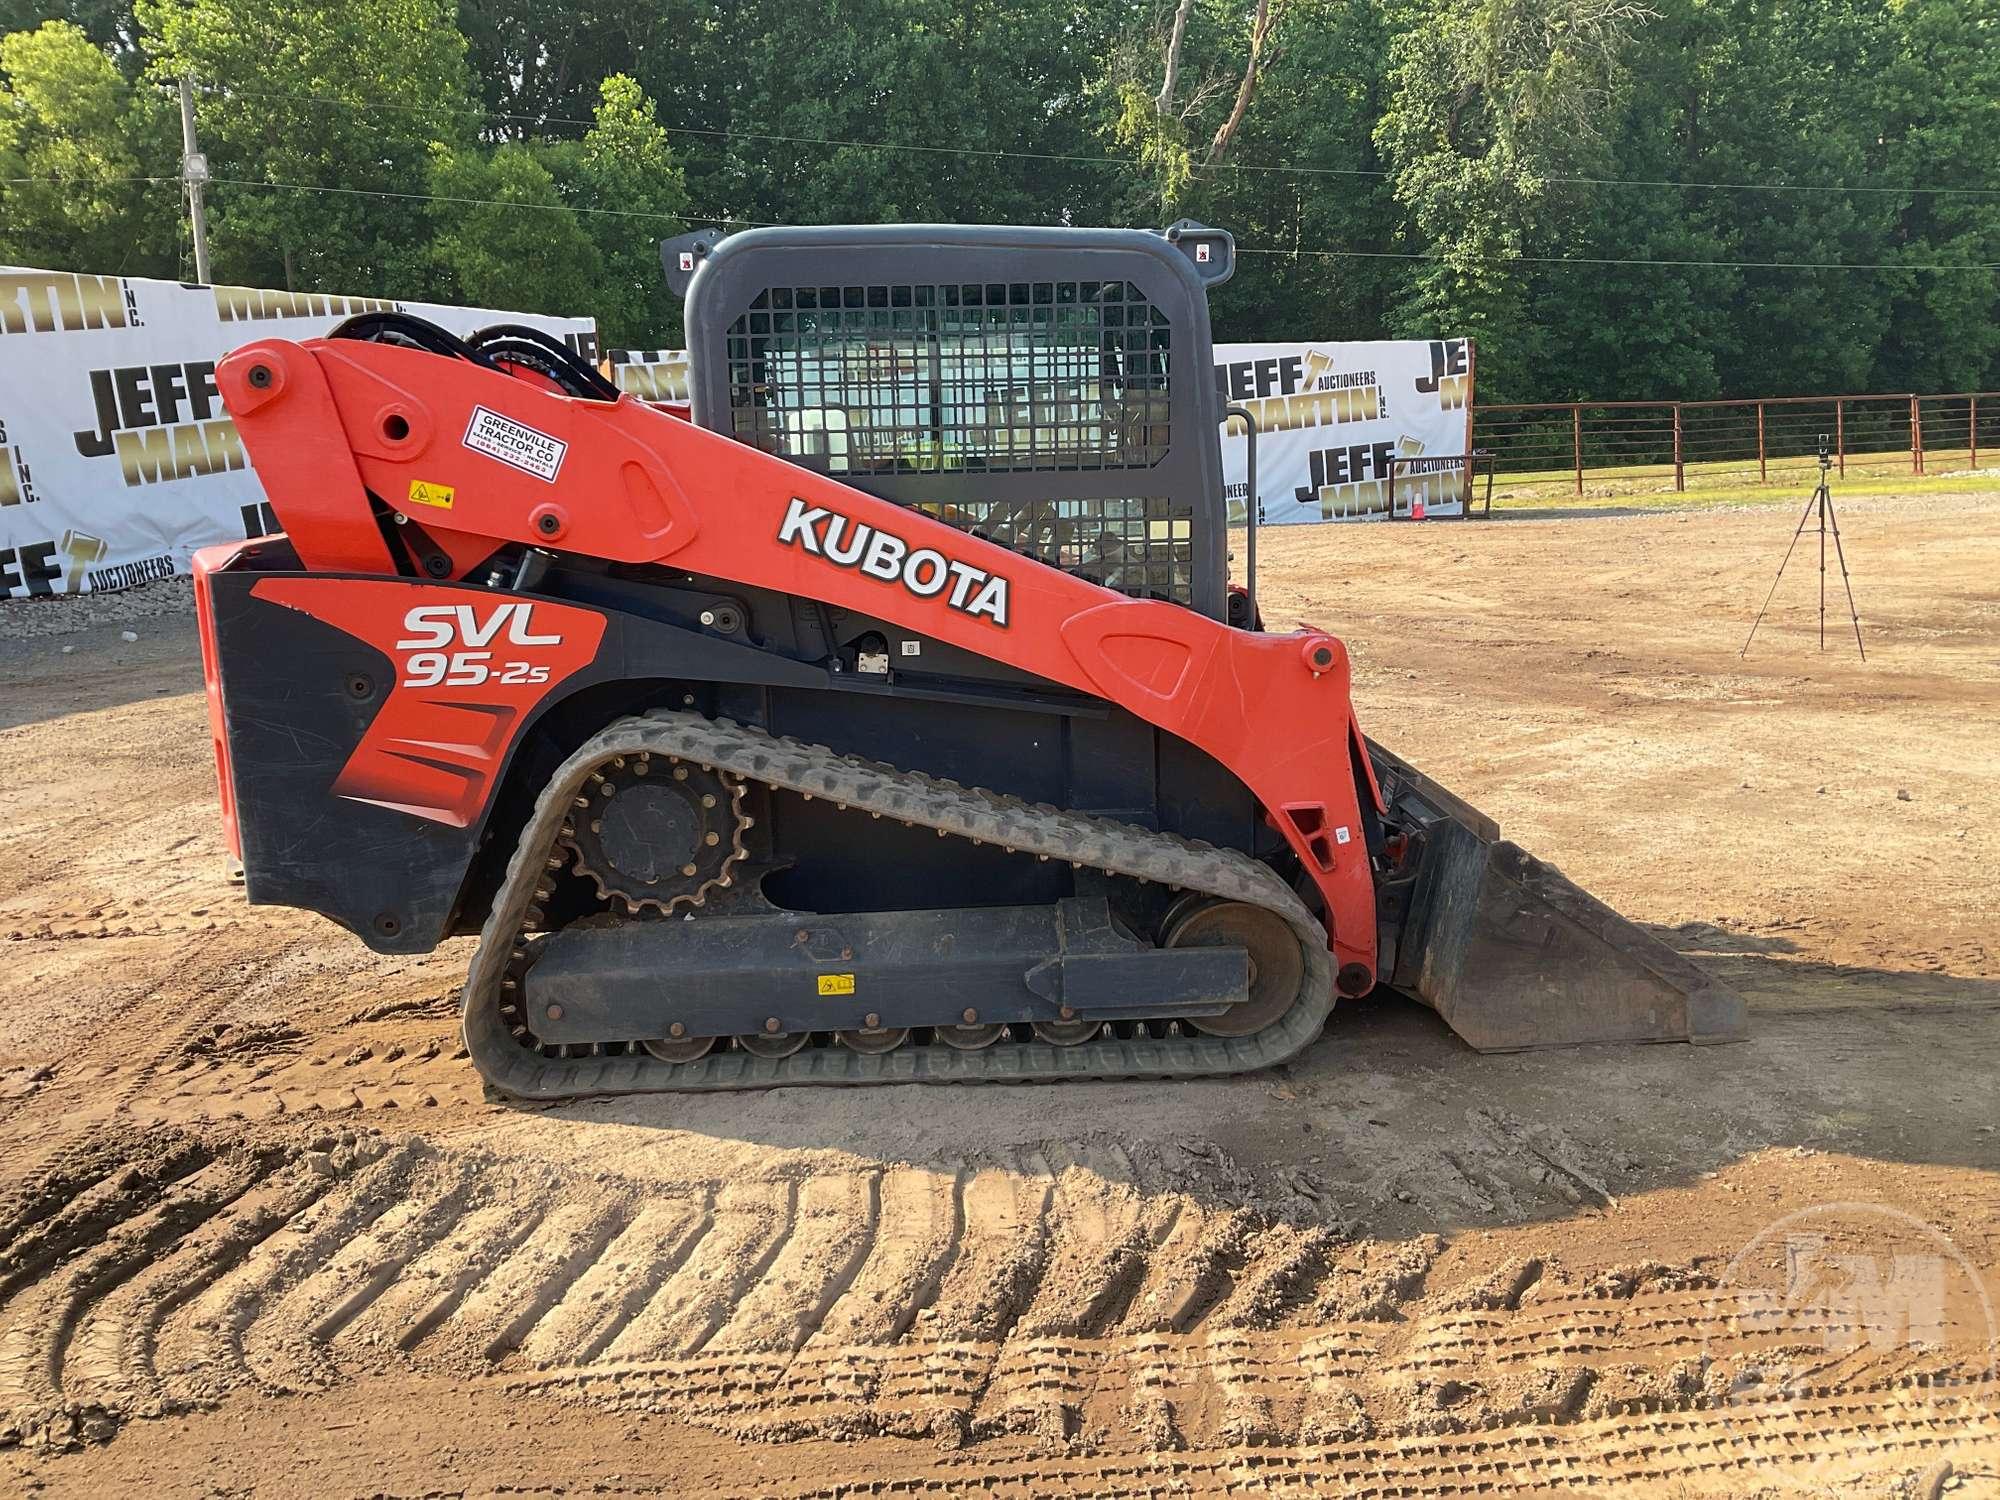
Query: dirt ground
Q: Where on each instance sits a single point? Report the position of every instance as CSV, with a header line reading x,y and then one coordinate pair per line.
x,y
261,1233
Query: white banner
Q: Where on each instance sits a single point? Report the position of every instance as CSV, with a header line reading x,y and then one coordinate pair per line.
x,y
117,459
1333,421
651,374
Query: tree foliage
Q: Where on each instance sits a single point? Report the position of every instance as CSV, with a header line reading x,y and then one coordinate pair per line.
x,y
302,103
75,143
1617,198
550,227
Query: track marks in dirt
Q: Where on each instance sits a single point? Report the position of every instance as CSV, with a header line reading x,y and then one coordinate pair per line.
x,y
80,1206
226,1050
1057,1293
286,1350
41,1323
112,1360
833,1230
920,1223
747,1226
393,1057
626,1276
1106,1230
1003,1243
498,1314
1822,1446
200,1350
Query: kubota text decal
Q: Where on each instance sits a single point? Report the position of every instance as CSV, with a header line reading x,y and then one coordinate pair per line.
x,y
927,573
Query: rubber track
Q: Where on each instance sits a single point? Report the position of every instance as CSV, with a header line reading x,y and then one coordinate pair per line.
x,y
912,797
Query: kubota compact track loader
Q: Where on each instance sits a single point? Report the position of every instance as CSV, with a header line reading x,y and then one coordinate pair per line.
x,y
890,717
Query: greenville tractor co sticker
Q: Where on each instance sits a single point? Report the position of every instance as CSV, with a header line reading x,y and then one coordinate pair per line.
x,y
524,448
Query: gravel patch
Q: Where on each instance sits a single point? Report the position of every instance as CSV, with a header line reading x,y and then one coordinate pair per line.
x,y
67,614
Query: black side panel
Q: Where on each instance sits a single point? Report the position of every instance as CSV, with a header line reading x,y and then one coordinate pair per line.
x,y
293,718
298,695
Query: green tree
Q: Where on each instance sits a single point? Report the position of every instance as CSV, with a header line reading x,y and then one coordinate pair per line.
x,y
984,101
1675,198
1778,102
1302,186
70,121
108,23
538,61
504,235
626,170
1184,94
565,227
1677,342
309,111
1936,104
1492,99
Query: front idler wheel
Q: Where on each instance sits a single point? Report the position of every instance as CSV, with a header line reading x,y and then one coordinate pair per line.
x,y
1277,967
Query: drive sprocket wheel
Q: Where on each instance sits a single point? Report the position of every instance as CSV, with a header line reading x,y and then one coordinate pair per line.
x,y
657,832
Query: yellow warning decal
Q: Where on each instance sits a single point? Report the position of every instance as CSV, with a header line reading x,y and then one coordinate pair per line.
x,y
423,492
836,984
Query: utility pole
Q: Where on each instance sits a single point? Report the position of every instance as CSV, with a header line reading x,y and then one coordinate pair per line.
x,y
194,175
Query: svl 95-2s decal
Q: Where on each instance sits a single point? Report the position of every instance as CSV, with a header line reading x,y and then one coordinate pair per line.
x,y
468,668
436,628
